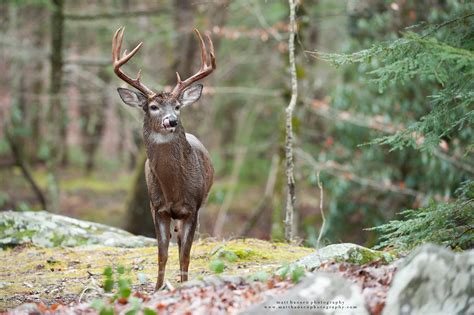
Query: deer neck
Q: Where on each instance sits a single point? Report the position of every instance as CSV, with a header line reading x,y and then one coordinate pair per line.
x,y
166,150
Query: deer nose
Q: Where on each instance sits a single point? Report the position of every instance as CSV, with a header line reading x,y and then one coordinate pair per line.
x,y
173,122
170,121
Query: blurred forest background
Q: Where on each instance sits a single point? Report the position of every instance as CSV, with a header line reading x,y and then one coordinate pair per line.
x,y
68,143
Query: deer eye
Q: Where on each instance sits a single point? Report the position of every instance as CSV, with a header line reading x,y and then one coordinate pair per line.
x,y
177,107
153,107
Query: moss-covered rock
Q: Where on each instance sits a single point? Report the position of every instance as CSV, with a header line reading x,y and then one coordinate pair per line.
x,y
45,229
433,280
345,252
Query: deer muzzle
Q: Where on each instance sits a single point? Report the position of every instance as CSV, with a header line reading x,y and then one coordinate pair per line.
x,y
170,121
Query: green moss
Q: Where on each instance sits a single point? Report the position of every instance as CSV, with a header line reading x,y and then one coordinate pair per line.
x,y
16,236
234,252
362,255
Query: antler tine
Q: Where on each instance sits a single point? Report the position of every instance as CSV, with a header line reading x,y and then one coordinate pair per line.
x,y
203,49
126,57
117,44
120,61
204,70
211,51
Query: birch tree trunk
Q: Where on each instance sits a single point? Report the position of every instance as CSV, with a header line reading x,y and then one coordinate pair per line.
x,y
290,198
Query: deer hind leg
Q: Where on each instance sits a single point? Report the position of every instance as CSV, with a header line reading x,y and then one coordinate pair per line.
x,y
186,229
178,229
162,229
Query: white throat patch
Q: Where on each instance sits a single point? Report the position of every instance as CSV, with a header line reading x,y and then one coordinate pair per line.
x,y
159,138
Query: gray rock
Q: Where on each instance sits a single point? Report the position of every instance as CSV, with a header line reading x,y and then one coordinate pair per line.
x,y
319,293
433,280
49,230
347,252
214,280
27,308
193,283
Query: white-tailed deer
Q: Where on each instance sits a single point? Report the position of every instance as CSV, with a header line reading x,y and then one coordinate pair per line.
x,y
179,172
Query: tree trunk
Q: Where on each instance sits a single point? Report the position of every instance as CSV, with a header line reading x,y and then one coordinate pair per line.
x,y
93,120
56,115
291,198
37,87
138,206
139,220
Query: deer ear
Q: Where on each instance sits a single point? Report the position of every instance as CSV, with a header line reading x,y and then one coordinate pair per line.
x,y
132,98
191,94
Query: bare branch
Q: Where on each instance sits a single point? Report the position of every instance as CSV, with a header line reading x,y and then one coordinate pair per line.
x,y
335,169
25,169
114,15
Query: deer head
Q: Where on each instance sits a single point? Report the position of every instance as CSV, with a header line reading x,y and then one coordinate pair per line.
x,y
162,110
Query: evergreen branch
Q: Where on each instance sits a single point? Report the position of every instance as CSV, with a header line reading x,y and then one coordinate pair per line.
x,y
323,109
438,223
441,25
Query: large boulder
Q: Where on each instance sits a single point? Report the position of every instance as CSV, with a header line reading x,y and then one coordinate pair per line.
x,y
319,293
50,230
433,280
345,252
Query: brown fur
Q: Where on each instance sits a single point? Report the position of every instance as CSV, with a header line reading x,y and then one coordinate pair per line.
x,y
178,170
179,175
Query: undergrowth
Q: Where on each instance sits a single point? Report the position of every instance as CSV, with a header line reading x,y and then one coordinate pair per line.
x,y
448,224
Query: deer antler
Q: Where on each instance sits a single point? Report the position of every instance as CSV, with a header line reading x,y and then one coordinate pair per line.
x,y
204,70
118,62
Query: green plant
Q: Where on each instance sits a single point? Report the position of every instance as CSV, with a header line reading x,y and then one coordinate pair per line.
x,y
297,274
149,311
227,255
119,284
449,224
102,307
217,266
423,99
283,271
294,273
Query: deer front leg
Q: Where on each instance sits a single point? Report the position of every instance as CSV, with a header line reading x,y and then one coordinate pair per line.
x,y
186,229
162,228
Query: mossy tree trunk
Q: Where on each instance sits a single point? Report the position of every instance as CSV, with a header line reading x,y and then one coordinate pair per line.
x,y
56,113
139,220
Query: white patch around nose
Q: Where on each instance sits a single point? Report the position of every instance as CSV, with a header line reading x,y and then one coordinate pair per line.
x,y
158,137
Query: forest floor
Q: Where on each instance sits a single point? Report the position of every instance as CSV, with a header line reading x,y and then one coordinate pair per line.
x,y
232,297
66,276
71,279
